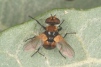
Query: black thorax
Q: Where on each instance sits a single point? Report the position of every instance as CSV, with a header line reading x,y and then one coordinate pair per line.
x,y
51,35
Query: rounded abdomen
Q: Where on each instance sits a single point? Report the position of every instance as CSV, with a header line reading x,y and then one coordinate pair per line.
x,y
49,45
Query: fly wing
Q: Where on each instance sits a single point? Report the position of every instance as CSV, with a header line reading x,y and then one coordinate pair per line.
x,y
64,47
33,44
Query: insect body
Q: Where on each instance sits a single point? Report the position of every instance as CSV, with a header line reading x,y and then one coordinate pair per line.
x,y
50,39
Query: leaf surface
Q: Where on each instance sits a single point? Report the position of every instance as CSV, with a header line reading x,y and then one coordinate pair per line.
x,y
86,43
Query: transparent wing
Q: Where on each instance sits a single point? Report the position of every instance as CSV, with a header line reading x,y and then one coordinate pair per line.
x,y
64,47
33,44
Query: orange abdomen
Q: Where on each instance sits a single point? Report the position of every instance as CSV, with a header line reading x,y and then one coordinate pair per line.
x,y
49,45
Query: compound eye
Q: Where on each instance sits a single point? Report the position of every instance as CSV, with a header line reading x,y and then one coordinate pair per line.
x,y
52,20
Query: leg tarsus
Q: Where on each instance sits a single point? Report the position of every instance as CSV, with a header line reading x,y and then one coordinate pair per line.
x,y
39,53
29,39
42,55
69,33
35,52
62,55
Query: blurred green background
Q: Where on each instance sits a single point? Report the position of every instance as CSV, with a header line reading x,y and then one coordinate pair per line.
x,y
13,12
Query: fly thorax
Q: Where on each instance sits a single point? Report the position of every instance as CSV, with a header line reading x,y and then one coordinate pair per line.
x,y
51,35
51,28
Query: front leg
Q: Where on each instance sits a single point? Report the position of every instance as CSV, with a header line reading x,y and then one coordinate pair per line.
x,y
60,28
38,23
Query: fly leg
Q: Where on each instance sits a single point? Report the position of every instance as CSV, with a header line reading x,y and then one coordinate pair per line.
x,y
42,54
39,53
30,38
35,52
69,33
62,55
60,28
64,37
38,23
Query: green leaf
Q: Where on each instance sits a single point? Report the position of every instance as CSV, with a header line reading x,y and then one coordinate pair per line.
x,y
86,42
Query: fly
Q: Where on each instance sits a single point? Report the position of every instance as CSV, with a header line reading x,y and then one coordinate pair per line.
x,y
51,38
